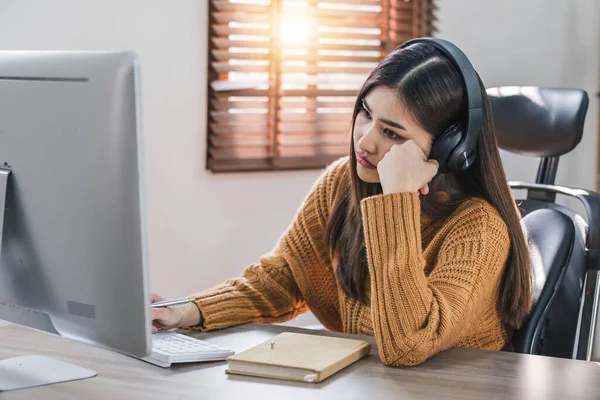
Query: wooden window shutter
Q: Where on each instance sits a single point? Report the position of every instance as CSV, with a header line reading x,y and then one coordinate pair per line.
x,y
283,75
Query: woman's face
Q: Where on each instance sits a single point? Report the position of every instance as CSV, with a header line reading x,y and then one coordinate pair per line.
x,y
381,123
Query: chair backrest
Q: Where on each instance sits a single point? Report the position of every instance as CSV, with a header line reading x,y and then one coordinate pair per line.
x,y
539,122
556,247
547,123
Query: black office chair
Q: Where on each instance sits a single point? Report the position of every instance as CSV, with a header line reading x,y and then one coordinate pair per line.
x,y
548,123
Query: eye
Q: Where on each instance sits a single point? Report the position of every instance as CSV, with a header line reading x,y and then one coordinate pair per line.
x,y
365,112
390,134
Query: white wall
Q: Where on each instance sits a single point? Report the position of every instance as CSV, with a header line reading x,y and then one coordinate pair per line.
x,y
547,43
204,228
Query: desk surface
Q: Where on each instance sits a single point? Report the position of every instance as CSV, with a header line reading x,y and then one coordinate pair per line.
x,y
455,374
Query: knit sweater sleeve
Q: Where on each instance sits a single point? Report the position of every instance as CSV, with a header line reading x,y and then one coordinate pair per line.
x,y
268,291
416,315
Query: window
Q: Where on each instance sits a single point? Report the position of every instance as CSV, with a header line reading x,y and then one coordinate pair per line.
x,y
283,75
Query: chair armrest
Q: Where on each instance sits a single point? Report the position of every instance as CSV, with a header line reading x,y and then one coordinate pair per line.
x,y
590,200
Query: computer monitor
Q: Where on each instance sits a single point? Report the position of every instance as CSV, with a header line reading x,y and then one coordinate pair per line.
x,y
73,259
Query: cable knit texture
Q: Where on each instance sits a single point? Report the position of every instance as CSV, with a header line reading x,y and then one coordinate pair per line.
x,y
431,287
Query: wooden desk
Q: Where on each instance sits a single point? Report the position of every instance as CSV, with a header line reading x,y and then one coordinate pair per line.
x,y
455,374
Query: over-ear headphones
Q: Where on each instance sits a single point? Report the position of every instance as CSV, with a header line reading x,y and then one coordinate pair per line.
x,y
456,148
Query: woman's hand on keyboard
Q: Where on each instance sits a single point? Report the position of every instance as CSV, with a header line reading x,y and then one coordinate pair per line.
x,y
176,317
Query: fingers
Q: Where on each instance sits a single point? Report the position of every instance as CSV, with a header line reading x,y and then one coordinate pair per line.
x,y
433,169
405,168
433,166
161,314
410,146
415,147
420,151
159,319
155,298
158,327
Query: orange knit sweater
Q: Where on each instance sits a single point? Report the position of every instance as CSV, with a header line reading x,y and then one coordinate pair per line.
x,y
431,288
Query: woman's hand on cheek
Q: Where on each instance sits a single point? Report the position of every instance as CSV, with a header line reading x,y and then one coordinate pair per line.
x,y
405,168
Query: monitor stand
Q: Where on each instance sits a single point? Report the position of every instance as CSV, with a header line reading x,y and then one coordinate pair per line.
x,y
32,370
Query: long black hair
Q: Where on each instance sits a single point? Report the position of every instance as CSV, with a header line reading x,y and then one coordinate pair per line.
x,y
431,88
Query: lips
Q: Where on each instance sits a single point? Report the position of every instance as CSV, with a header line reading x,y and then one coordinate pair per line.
x,y
363,161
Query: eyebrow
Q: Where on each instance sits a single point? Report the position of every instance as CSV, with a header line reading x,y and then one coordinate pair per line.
x,y
385,121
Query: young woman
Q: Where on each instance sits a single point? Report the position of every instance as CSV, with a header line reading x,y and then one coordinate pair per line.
x,y
387,243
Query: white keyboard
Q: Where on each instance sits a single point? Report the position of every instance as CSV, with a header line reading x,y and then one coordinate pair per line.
x,y
170,347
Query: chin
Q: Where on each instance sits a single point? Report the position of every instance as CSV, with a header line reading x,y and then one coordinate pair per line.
x,y
367,175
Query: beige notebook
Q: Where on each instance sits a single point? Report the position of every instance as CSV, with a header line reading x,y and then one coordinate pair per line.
x,y
298,357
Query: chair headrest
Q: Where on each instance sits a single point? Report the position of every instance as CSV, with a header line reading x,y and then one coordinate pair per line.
x,y
538,122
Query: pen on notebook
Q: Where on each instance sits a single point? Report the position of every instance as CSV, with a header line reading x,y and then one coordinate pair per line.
x,y
171,303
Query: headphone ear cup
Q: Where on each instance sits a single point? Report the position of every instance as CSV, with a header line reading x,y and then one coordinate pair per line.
x,y
444,145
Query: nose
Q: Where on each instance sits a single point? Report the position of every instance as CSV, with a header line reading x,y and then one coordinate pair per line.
x,y
367,142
